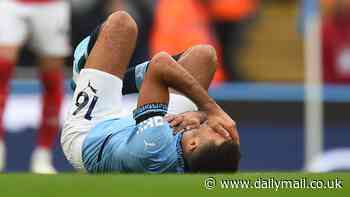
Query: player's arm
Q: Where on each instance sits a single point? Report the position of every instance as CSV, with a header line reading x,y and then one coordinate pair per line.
x,y
164,73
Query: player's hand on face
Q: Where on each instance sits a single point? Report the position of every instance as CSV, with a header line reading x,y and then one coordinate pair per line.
x,y
222,123
186,121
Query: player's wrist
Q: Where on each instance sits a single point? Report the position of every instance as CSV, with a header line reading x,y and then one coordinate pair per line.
x,y
210,107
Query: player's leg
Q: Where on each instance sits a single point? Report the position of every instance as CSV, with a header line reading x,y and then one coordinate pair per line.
x,y
12,35
51,42
8,58
201,62
114,46
98,93
52,79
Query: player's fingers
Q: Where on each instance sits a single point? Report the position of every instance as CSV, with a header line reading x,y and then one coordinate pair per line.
x,y
222,131
192,126
232,129
169,118
237,140
176,121
180,127
187,125
195,122
235,136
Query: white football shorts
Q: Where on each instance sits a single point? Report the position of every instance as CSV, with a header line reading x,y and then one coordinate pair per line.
x,y
45,26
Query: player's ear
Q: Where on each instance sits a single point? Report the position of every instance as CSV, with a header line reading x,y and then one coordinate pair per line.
x,y
193,144
190,142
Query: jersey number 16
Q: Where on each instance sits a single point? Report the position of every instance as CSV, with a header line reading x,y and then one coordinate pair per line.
x,y
83,101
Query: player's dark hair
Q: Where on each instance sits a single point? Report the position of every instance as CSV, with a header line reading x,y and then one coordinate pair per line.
x,y
212,158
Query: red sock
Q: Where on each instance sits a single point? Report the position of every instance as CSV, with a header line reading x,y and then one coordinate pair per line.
x,y
53,90
6,68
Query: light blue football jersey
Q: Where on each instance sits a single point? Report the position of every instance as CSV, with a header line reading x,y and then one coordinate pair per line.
x,y
119,145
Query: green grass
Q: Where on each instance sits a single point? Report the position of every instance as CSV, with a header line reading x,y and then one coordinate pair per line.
x,y
122,185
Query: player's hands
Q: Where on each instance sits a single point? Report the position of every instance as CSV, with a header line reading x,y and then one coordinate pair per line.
x,y
186,121
222,123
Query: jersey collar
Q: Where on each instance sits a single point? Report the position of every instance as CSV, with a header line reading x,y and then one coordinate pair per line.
x,y
182,167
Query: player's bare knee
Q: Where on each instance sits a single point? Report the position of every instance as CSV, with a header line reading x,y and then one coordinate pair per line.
x,y
210,52
207,54
121,22
162,58
160,61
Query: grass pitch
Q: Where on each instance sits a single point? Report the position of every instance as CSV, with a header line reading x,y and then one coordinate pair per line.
x,y
123,185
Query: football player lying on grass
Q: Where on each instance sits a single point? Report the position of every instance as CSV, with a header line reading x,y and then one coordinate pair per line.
x,y
99,138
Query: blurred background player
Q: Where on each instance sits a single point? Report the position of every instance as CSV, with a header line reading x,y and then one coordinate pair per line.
x,y
230,20
336,42
44,25
192,17
220,23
